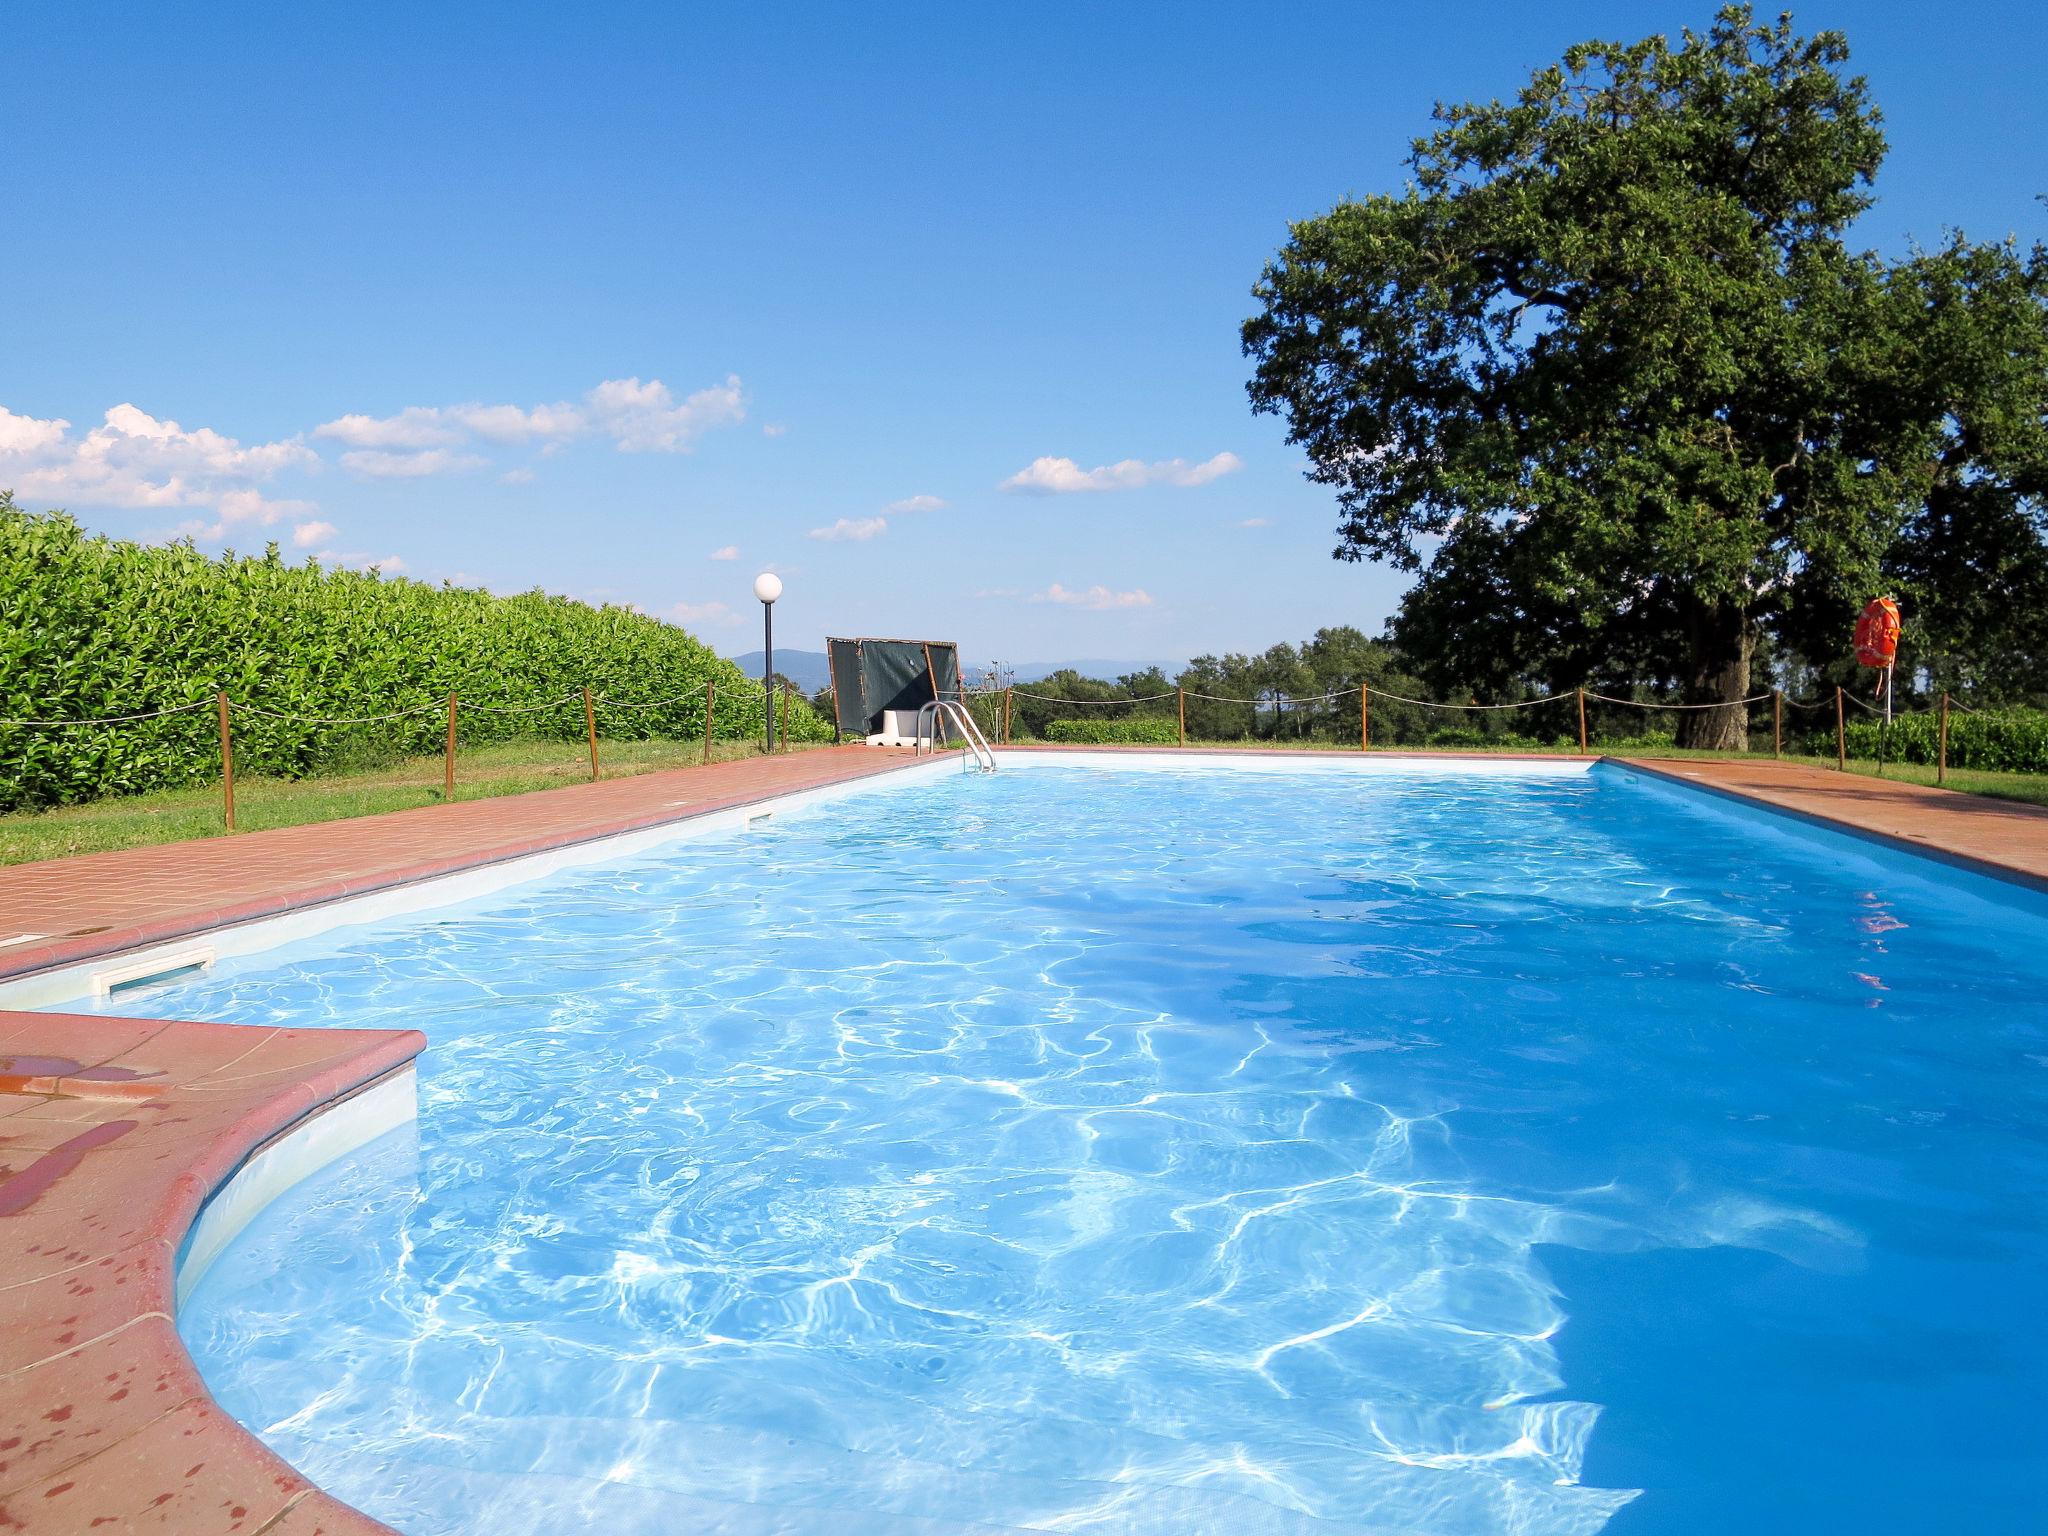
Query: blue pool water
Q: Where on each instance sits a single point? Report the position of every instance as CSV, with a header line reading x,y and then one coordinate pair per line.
x,y
1090,1150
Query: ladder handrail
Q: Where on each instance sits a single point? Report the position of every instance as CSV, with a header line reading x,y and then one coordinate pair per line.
x,y
977,744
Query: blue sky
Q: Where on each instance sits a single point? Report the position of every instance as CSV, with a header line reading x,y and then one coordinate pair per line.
x,y
590,296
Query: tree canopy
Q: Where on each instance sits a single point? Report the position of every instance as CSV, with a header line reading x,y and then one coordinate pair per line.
x,y
1607,375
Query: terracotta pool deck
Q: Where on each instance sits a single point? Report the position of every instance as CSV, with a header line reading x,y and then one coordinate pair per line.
x,y
103,903
2004,838
113,1132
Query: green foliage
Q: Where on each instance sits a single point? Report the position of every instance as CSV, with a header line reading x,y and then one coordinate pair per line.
x,y
2004,740
95,627
1466,737
1608,376
1296,693
1138,731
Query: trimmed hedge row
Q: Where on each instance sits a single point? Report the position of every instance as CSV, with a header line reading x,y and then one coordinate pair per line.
x,y
93,627
1139,731
2001,740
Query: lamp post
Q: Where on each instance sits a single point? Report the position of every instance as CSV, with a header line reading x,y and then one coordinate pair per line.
x,y
768,587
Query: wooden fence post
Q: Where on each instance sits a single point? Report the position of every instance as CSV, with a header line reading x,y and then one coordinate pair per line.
x,y
710,702
1364,718
1777,722
1582,719
1841,734
1941,758
227,762
590,722
448,757
1180,704
785,718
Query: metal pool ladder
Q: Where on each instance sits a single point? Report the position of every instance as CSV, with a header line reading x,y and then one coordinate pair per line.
x,y
949,711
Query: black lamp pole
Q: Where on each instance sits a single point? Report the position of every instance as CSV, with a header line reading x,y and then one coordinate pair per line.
x,y
768,587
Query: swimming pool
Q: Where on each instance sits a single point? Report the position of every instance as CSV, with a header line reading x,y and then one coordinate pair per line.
x,y
1267,1147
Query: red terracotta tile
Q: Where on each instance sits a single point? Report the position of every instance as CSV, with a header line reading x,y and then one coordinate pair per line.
x,y
319,1515
148,895
192,1469
104,1423
68,1409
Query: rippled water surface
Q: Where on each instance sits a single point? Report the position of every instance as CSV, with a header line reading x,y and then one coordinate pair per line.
x,y
1081,1149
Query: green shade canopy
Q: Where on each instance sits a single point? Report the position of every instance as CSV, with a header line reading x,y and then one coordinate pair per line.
x,y
870,676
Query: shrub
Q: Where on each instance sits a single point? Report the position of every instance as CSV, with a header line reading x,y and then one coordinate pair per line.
x,y
2001,740
95,627
1141,731
1461,736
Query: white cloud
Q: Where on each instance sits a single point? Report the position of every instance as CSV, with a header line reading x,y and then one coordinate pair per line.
x,y
1097,599
702,613
638,417
29,435
417,426
917,504
728,552
773,429
856,529
646,418
306,535
510,424
520,476
1256,522
1063,477
134,459
378,464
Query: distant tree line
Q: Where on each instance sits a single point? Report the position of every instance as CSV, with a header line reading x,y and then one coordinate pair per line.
x,y
1286,693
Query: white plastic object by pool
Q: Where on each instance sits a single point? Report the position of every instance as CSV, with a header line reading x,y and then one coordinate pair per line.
x,y
899,729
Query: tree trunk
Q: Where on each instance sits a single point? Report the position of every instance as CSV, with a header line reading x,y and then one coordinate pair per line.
x,y
1722,644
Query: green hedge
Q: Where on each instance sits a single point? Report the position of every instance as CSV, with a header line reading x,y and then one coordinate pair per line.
x,y
1141,731
2002,740
97,627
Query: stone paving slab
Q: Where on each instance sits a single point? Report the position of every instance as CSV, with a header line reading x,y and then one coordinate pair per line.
x,y
102,903
113,1133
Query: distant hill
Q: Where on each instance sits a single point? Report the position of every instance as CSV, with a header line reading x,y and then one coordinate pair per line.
x,y
810,671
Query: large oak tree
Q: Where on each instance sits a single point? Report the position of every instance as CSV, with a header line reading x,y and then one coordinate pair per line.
x,y
1607,374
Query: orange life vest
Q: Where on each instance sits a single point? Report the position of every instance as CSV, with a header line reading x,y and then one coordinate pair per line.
x,y
1877,633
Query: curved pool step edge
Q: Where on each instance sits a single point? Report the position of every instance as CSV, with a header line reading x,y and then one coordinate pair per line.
x,y
326,1136
116,1137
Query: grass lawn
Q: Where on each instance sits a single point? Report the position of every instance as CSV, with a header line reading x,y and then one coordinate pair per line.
x,y
173,815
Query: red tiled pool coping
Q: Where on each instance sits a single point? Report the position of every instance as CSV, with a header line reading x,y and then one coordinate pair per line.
x,y
2004,839
113,1134
104,903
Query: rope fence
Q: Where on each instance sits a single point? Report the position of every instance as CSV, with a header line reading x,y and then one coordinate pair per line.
x,y
227,711
1840,702
1003,704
